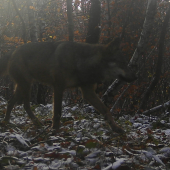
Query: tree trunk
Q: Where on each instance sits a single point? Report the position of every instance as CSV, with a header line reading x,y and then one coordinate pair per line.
x,y
41,22
22,21
147,28
155,80
70,20
32,25
109,20
93,32
82,7
126,22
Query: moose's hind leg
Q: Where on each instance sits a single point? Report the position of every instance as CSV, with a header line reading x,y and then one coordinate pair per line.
x,y
16,96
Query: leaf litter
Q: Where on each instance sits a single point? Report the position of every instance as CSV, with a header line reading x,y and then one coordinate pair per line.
x,y
84,142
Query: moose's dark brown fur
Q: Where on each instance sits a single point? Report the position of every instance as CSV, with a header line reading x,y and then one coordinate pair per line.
x,y
63,65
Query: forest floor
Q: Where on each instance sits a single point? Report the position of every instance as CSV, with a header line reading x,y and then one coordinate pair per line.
x,y
84,142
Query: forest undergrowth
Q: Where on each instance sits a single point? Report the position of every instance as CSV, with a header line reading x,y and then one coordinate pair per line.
x,y
84,141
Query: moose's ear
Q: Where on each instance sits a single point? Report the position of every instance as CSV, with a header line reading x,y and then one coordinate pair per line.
x,y
114,44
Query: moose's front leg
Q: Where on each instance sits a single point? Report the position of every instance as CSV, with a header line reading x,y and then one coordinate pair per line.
x,y
57,107
90,95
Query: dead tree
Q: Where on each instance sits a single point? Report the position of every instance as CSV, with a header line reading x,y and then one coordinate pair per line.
x,y
157,75
164,107
147,28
